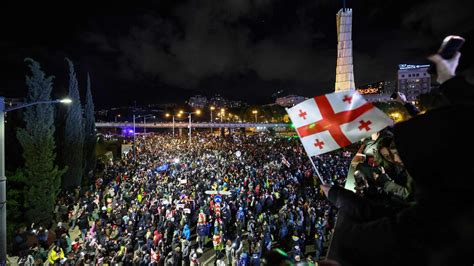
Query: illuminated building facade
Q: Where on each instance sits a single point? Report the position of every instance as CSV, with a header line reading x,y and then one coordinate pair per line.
x,y
413,80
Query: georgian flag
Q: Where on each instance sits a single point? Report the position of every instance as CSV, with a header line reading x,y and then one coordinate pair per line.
x,y
332,121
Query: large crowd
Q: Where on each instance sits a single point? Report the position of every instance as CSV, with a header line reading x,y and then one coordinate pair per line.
x,y
242,197
171,202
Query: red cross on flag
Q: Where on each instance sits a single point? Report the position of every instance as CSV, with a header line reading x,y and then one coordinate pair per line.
x,y
332,121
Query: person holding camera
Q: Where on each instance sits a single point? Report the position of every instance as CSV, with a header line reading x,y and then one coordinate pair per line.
x,y
442,173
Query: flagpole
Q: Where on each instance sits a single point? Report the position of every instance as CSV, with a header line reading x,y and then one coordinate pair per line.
x,y
316,169
310,159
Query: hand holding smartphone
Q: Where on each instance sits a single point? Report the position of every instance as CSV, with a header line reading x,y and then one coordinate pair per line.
x,y
450,45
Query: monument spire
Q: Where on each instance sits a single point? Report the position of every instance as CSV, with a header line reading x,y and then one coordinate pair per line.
x,y
344,66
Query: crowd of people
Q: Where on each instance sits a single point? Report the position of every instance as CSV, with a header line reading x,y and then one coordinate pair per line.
x,y
243,197
246,199
171,202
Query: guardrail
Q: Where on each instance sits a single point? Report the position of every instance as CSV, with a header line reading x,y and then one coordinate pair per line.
x,y
193,125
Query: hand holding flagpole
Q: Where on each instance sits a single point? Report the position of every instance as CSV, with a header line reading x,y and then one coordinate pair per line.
x,y
329,122
309,156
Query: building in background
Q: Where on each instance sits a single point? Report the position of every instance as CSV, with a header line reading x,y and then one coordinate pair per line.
x,y
221,102
290,100
197,101
344,66
413,80
235,104
378,91
218,101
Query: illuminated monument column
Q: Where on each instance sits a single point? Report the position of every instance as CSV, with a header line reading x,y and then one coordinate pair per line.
x,y
344,68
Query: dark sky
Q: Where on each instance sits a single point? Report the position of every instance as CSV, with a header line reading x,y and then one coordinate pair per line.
x,y
161,51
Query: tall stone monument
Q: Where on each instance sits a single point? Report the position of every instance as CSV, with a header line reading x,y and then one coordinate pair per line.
x,y
344,67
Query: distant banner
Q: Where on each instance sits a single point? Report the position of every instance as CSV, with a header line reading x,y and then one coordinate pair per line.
x,y
162,168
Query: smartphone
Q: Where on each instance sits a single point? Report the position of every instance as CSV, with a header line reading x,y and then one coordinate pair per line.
x,y
450,45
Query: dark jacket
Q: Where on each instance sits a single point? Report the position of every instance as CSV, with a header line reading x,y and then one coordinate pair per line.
x,y
438,152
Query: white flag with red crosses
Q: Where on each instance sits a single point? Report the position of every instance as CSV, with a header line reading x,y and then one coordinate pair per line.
x,y
332,121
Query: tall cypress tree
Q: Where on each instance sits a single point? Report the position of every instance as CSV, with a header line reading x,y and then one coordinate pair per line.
x,y
74,135
89,131
43,178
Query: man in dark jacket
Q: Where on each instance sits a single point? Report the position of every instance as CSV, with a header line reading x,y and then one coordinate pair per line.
x,y
436,149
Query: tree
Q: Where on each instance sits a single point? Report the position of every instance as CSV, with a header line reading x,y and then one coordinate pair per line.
x,y
43,178
16,194
89,131
74,135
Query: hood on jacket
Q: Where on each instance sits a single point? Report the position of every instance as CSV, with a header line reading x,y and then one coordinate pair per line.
x,y
437,148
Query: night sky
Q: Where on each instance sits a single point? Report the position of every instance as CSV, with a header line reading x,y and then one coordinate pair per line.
x,y
166,51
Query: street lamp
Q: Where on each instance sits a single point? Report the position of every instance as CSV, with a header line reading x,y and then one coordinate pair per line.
x,y
178,115
116,117
198,112
65,101
144,121
255,112
222,113
212,109
3,179
134,131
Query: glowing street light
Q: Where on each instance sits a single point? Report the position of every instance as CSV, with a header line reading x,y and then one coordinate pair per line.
x,y
222,113
168,115
212,108
3,179
198,112
255,112
65,101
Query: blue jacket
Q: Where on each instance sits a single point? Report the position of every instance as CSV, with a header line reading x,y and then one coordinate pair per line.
x,y
186,232
202,230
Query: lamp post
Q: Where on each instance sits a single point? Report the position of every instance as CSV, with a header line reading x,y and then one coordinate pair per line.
x,y
144,121
222,113
116,117
134,131
173,116
198,112
255,112
3,179
212,109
